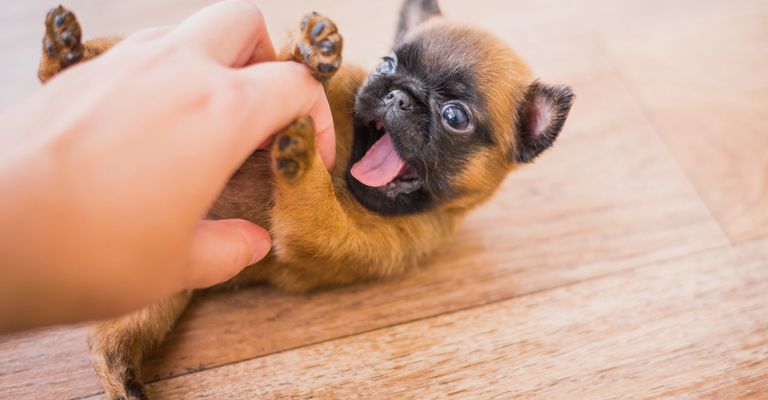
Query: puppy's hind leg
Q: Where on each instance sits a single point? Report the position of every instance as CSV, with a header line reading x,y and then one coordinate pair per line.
x,y
119,346
63,45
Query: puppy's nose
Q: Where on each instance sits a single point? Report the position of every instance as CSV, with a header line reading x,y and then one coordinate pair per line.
x,y
400,98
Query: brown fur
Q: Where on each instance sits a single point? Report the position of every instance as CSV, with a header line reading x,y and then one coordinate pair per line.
x,y
322,236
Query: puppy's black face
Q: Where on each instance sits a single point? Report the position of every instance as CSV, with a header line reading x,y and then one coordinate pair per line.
x,y
418,121
446,116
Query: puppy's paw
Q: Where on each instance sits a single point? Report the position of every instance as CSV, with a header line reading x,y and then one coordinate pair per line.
x,y
120,379
293,150
62,41
319,46
132,390
116,366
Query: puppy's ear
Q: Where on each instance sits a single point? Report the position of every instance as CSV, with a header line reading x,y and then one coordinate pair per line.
x,y
412,13
540,118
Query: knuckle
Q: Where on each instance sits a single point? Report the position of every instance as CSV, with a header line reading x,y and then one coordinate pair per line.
x,y
249,9
225,94
210,95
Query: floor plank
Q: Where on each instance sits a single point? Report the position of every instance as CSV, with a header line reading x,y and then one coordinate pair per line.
x,y
49,363
703,81
693,327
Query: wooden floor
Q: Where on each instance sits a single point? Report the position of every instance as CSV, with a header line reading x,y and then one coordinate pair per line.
x,y
630,262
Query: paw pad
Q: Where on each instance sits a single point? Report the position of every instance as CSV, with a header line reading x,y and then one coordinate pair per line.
x,y
327,47
294,149
284,142
62,39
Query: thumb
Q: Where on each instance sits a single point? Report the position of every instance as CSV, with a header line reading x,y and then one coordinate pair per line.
x,y
221,249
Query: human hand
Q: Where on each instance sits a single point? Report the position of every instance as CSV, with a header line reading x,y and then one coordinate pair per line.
x,y
108,169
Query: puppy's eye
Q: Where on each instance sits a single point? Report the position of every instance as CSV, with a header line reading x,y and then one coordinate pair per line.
x,y
457,117
387,66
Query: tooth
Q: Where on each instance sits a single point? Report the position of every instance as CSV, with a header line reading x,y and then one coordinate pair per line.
x,y
379,125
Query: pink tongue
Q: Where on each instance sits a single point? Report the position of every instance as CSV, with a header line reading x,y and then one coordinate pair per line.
x,y
380,165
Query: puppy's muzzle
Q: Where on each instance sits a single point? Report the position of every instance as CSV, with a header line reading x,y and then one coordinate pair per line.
x,y
400,99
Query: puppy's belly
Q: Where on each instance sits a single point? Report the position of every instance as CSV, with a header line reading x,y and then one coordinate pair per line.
x,y
248,194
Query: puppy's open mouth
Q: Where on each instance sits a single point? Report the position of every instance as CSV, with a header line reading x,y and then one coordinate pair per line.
x,y
382,167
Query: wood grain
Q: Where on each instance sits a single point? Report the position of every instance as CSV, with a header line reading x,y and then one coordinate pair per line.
x,y
613,195
696,68
48,363
702,81
692,327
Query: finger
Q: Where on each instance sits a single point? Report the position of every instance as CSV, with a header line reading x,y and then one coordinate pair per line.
x,y
150,33
278,94
326,134
231,33
221,249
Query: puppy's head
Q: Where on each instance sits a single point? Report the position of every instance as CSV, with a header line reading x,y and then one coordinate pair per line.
x,y
446,116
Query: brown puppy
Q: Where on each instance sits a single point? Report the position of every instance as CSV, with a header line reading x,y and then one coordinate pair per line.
x,y
423,139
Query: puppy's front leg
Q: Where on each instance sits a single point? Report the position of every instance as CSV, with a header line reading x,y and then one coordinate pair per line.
x,y
309,223
322,236
318,46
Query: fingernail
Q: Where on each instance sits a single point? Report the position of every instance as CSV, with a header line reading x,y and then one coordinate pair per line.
x,y
261,247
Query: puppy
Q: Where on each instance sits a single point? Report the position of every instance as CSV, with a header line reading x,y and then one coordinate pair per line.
x,y
423,139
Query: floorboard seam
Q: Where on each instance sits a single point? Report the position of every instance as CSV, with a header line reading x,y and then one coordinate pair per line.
x,y
489,303
629,87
